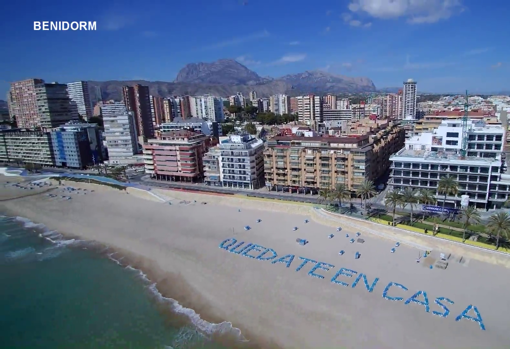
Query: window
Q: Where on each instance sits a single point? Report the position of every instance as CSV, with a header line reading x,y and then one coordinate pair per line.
x,y
452,134
449,142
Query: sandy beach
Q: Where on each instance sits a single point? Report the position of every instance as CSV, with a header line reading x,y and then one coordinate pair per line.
x,y
178,245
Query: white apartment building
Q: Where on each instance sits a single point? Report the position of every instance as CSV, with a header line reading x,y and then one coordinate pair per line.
x,y
343,103
79,93
241,163
278,104
237,100
431,155
309,109
120,133
207,107
409,94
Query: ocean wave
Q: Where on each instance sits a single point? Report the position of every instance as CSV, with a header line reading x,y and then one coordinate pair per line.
x,y
18,254
206,328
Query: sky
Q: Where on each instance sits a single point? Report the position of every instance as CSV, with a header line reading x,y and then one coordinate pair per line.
x,y
445,45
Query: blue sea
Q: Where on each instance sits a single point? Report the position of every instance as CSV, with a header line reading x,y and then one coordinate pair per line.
x,y
58,293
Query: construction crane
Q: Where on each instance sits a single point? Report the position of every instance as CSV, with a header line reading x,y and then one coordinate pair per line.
x,y
465,118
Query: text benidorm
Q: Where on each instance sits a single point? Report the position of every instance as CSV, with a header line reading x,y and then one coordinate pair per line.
x,y
65,25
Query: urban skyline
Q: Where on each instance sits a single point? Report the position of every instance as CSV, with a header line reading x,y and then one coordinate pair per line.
x,y
356,39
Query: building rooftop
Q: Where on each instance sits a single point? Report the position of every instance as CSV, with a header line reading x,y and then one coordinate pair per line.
x,y
192,120
439,156
325,139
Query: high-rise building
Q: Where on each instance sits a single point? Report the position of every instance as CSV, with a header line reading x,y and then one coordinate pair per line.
x,y
54,106
343,103
137,99
310,110
95,95
329,102
29,147
409,94
120,133
176,156
186,103
293,105
253,96
392,106
158,109
79,93
22,100
279,104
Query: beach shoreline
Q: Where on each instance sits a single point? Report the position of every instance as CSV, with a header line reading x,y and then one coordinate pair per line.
x,y
273,306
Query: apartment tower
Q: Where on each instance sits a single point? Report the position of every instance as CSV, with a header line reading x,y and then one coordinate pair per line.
x,y
79,93
137,99
409,100
22,100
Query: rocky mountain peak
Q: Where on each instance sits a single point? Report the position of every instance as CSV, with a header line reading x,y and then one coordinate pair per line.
x,y
223,71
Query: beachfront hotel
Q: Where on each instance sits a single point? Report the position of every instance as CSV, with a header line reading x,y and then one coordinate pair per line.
x,y
176,156
430,155
306,162
120,133
236,162
26,147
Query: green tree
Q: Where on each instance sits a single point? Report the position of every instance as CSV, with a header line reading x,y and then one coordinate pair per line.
x,y
448,186
393,199
409,197
366,190
470,215
499,224
227,128
426,197
234,109
340,193
250,128
251,110
325,196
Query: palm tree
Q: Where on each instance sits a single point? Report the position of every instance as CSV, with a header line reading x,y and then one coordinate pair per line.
x,y
393,199
366,190
447,186
409,197
324,196
470,215
340,193
426,197
499,224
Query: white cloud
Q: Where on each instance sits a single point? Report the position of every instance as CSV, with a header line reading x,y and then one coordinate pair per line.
x,y
408,65
415,11
477,51
348,19
326,68
497,65
238,40
290,58
294,43
247,61
327,29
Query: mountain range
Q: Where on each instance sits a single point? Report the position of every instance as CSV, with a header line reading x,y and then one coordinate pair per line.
x,y
226,77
